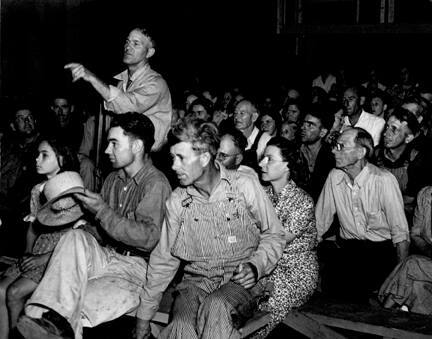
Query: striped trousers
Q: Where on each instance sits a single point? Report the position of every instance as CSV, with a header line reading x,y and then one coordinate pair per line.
x,y
199,314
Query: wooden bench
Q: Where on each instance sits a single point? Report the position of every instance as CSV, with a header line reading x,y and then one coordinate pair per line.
x,y
319,317
162,317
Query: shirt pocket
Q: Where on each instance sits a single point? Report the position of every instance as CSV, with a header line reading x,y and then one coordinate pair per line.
x,y
375,221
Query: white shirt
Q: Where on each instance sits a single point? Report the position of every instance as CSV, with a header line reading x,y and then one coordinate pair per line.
x,y
371,123
262,143
371,208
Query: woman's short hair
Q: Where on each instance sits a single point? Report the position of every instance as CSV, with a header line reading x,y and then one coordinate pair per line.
x,y
290,152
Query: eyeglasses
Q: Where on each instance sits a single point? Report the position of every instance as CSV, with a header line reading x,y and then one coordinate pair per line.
x,y
223,156
341,147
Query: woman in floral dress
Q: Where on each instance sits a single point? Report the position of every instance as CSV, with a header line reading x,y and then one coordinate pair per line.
x,y
295,277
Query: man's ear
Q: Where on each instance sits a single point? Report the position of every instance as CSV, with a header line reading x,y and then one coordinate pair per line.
x,y
60,161
151,51
362,100
205,158
363,152
255,116
137,146
238,159
409,138
323,132
72,108
12,126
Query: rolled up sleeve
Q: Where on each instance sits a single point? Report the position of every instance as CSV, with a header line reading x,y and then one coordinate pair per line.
x,y
162,265
393,207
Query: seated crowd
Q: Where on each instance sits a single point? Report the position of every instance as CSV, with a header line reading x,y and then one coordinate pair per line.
x,y
239,202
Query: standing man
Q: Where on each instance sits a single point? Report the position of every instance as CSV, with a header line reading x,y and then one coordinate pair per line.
x,y
94,279
222,226
140,89
374,233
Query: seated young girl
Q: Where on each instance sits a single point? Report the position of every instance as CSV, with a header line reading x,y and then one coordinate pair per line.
x,y
20,280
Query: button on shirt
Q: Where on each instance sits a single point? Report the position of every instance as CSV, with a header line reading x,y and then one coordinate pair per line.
x,y
371,208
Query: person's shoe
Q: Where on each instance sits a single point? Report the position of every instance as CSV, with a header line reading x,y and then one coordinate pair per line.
x,y
50,326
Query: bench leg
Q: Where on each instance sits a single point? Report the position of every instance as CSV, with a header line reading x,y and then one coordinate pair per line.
x,y
310,327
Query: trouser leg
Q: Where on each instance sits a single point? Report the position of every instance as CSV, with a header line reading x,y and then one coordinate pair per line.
x,y
184,321
215,315
76,258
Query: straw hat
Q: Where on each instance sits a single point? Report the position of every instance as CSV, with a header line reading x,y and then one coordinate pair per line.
x,y
61,207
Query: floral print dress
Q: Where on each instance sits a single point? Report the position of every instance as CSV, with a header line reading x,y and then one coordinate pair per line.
x,y
295,277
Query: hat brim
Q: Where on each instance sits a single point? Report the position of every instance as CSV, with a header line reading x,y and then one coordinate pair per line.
x,y
48,217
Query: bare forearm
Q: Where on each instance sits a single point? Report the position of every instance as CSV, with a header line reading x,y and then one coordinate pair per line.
x,y
30,238
402,250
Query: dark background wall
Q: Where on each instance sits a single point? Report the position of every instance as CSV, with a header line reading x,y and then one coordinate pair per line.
x,y
222,41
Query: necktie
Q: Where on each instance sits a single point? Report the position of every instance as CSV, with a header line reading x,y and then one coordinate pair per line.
x,y
129,83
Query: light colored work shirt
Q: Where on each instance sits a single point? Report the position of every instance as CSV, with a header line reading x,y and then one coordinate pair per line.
x,y
371,208
241,224
148,93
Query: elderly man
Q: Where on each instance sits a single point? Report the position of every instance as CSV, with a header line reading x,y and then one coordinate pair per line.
x,y
87,283
140,89
230,153
221,225
369,206
245,116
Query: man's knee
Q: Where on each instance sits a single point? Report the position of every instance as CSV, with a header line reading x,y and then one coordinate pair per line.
x,y
215,304
75,236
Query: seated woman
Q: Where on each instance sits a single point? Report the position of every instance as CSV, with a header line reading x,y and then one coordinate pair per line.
x,y
21,279
295,277
408,286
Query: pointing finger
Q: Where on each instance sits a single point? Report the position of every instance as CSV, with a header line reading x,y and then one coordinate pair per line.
x,y
71,65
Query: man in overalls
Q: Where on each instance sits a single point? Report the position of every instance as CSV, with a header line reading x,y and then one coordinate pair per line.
x,y
222,226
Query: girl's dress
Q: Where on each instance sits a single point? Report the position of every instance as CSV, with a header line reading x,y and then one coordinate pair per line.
x,y
45,242
295,277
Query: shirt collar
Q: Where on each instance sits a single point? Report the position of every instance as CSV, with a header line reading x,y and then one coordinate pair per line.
x,y
125,76
361,117
224,177
359,180
139,176
252,136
